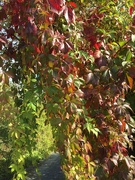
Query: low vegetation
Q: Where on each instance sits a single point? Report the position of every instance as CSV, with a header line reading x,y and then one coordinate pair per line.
x,y
44,145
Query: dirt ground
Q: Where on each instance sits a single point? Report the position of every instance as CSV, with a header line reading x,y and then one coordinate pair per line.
x,y
48,170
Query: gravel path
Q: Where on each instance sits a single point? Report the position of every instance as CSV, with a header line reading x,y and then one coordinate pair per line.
x,y
48,169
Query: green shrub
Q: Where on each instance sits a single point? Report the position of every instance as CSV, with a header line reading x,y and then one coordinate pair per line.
x,y
44,146
8,123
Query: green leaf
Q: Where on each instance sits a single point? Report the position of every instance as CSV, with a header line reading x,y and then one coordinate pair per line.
x,y
20,176
78,82
88,119
32,106
121,43
132,122
128,56
88,126
84,54
95,131
55,121
124,63
34,80
13,167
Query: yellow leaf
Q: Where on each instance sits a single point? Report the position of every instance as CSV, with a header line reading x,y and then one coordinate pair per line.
x,y
78,131
67,97
70,89
50,63
44,26
10,125
16,135
68,153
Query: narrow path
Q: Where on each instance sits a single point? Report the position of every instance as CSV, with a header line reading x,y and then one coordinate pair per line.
x,y
49,170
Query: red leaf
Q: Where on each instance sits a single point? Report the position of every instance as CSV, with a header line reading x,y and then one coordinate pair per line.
x,y
131,72
3,40
69,15
115,159
133,23
124,151
65,47
31,28
97,54
90,35
15,19
57,6
2,14
73,4
37,50
10,32
131,10
20,1
97,45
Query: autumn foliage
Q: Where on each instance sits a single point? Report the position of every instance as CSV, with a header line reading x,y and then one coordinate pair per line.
x,y
77,59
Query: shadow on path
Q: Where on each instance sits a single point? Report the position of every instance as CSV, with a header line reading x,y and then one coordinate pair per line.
x,y
48,169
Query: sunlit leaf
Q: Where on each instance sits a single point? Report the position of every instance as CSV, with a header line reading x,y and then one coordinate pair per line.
x,y
68,153
69,15
57,6
121,43
115,159
78,131
3,40
133,37
78,82
95,131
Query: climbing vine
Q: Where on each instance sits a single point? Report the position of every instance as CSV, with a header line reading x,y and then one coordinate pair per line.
x,y
73,60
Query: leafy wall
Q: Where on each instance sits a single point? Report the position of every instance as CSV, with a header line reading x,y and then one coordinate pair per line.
x,y
74,60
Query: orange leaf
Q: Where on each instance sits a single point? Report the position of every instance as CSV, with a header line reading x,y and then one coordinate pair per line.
x,y
122,126
130,81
